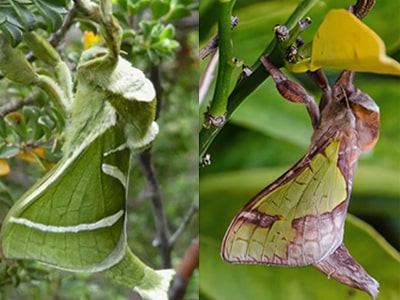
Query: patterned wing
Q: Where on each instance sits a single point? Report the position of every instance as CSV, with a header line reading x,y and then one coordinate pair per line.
x,y
74,218
296,221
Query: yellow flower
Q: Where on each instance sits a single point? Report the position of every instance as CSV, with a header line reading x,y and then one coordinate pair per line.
x,y
344,42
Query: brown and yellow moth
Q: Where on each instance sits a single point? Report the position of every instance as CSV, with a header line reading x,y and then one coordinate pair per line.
x,y
298,220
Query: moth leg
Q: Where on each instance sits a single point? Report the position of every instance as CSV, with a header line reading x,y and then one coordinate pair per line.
x,y
319,78
293,91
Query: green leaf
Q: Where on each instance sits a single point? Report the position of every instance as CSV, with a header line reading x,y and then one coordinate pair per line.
x,y
18,124
168,32
179,12
17,17
159,8
51,14
25,16
8,151
12,33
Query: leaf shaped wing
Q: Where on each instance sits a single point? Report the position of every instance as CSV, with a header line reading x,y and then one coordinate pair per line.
x,y
74,217
298,220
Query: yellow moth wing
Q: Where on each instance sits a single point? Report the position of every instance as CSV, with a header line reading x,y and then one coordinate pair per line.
x,y
297,220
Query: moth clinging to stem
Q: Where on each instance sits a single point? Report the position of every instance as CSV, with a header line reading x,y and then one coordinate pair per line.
x,y
298,220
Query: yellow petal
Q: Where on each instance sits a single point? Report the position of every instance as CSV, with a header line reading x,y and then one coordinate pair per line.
x,y
31,156
90,39
344,42
4,167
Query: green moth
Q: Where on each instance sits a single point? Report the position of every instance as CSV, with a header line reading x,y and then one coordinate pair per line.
x,y
298,220
74,218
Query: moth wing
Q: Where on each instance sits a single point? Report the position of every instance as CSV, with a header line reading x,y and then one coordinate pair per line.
x,y
74,217
297,220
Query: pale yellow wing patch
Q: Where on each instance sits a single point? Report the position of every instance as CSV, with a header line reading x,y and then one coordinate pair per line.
x,y
297,223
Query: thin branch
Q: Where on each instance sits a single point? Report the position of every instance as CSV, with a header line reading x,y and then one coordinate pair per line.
x,y
15,105
161,241
155,78
184,271
56,38
143,195
207,76
194,208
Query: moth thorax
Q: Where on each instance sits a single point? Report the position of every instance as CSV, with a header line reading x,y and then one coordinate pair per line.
x,y
367,125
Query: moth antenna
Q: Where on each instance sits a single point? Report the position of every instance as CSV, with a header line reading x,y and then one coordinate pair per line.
x,y
345,97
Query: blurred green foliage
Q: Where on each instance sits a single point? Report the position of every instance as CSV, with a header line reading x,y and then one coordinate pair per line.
x,y
19,16
31,120
268,134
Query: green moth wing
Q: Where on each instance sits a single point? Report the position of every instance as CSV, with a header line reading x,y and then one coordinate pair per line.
x,y
297,220
74,218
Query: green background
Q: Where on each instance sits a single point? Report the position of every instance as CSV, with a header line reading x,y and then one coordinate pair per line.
x,y
267,135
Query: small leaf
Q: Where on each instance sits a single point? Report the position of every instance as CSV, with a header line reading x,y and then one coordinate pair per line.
x,y
8,151
14,64
168,32
12,33
159,8
3,18
25,16
17,122
51,14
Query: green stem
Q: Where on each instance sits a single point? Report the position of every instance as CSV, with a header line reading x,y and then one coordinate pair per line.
x,y
225,68
246,86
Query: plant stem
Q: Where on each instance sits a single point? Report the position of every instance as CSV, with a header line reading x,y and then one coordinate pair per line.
x,y
246,86
225,67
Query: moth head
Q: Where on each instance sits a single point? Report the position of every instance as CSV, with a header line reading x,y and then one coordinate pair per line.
x,y
367,119
363,108
93,58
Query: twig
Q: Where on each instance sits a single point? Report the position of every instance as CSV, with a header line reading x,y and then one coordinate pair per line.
x,y
13,106
143,195
56,38
161,241
186,220
155,78
212,45
207,76
184,271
